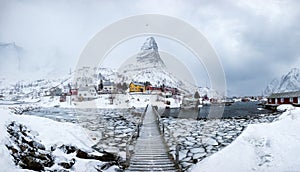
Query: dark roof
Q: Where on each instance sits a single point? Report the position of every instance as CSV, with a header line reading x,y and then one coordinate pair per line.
x,y
285,94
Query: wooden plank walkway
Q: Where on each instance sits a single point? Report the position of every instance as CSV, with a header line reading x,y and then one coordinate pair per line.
x,y
150,152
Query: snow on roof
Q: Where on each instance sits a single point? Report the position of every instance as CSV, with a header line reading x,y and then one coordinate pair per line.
x,y
86,88
136,83
108,83
285,94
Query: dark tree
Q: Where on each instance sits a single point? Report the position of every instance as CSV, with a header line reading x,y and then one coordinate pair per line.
x,y
147,83
124,86
119,86
100,86
196,95
162,88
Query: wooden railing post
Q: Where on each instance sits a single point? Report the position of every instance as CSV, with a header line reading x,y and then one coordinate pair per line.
x,y
177,154
138,130
127,155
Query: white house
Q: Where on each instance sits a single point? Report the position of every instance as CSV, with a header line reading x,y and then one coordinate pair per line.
x,y
87,92
108,86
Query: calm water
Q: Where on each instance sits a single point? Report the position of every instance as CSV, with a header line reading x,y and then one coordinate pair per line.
x,y
73,115
238,109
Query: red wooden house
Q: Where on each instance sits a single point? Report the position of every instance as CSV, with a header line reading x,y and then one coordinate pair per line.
x,y
284,98
165,89
152,88
172,90
74,92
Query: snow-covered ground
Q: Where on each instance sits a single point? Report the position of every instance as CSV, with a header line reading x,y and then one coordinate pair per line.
x,y
50,134
199,139
120,101
261,147
127,101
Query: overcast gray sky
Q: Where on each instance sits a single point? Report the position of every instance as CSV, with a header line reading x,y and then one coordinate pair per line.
x,y
256,40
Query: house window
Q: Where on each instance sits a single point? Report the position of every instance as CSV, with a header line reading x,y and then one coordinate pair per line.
x,y
282,100
291,99
276,100
84,94
79,94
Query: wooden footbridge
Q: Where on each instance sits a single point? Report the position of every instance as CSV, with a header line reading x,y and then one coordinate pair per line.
x,y
150,152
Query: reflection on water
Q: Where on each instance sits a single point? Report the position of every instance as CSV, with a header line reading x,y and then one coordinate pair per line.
x,y
238,109
77,115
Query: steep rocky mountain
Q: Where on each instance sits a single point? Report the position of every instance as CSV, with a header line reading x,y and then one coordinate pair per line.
x,y
148,66
288,82
148,57
272,87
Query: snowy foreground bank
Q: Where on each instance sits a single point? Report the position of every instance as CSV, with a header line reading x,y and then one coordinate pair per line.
x,y
261,147
54,145
267,143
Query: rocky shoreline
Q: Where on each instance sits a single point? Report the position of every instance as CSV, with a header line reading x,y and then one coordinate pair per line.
x,y
198,139
110,131
29,153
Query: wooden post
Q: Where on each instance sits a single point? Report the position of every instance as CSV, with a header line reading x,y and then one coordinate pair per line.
x,y
127,155
177,154
138,130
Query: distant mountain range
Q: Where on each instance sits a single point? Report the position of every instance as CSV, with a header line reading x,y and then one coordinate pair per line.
x,y
288,82
146,66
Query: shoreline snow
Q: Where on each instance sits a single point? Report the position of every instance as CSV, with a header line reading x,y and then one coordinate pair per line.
x,y
49,133
261,147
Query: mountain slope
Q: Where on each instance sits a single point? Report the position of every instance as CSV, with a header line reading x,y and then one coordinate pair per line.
x,y
146,66
148,56
10,54
150,67
288,82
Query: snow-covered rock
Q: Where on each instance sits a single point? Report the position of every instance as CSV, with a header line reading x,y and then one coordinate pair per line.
x,y
285,107
43,144
201,139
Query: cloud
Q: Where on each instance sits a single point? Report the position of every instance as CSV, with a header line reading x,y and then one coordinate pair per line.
x,y
256,40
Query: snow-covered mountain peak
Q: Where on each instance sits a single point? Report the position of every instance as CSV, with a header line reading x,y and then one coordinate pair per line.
x,y
149,57
150,44
294,72
288,82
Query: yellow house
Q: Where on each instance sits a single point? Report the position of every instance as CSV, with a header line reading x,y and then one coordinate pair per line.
x,y
136,87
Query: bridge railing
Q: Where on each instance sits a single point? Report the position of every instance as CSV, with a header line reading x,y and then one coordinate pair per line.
x,y
135,134
163,129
